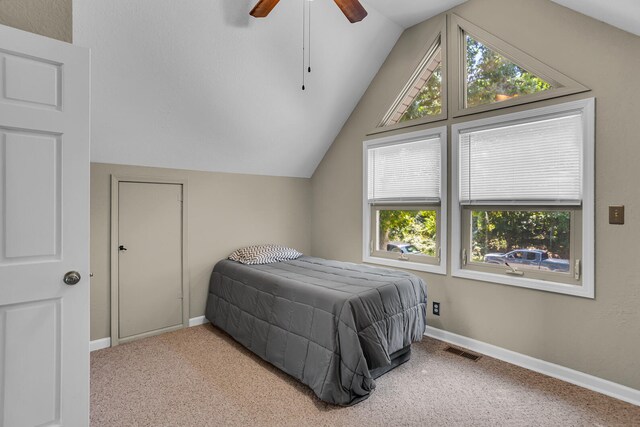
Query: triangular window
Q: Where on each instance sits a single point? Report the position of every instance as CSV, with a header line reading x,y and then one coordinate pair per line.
x,y
425,99
422,95
490,77
491,73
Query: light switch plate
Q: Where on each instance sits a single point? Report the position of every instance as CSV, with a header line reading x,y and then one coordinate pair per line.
x,y
616,215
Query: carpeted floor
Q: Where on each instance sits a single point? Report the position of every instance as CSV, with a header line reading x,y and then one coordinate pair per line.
x,y
200,377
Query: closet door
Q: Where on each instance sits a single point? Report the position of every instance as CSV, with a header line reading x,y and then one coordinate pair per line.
x,y
150,259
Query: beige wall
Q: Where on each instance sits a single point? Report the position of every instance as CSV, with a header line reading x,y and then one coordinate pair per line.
x,y
225,211
51,18
601,336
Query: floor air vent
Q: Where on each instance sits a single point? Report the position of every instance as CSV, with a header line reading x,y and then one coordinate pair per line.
x,y
462,353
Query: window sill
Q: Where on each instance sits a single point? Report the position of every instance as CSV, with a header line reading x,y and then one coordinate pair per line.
x,y
407,265
408,124
583,290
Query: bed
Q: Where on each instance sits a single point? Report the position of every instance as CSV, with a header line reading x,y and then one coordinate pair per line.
x,y
334,326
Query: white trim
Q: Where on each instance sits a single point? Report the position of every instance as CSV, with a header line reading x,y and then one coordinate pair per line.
x,y
599,385
99,344
200,320
441,133
587,289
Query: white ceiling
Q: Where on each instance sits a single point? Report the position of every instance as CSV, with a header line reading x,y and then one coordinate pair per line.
x,y
201,85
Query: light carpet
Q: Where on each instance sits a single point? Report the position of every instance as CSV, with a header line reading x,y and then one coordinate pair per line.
x,y
201,377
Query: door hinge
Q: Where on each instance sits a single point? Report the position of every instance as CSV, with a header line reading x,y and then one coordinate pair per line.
x,y
439,254
576,270
464,257
371,247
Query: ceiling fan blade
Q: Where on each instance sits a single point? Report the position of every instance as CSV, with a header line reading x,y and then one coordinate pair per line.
x,y
262,8
352,9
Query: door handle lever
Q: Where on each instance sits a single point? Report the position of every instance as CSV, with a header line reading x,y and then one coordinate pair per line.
x,y
122,248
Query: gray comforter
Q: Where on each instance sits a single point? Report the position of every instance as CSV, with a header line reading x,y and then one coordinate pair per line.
x,y
327,323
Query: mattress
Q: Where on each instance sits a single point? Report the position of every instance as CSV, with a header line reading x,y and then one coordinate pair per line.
x,y
334,326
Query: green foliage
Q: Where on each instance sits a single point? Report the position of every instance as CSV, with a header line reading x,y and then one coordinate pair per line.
x,y
428,102
490,78
415,227
504,231
490,75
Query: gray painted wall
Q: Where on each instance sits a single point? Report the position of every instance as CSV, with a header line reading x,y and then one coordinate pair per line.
x,y
601,336
225,212
51,18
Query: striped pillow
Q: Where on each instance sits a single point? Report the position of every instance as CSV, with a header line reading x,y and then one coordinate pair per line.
x,y
264,254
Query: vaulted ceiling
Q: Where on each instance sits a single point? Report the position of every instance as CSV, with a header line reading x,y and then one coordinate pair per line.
x,y
201,85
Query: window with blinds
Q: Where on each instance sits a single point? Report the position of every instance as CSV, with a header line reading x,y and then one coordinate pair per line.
x,y
523,201
405,172
537,162
405,200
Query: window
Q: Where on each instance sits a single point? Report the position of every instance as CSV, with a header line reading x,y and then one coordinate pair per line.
x,y
523,198
404,208
490,73
490,77
423,97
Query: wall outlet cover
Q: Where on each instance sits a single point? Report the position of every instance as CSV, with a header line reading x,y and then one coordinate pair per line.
x,y
616,215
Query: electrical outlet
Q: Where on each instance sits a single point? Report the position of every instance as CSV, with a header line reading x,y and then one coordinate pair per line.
x,y
436,308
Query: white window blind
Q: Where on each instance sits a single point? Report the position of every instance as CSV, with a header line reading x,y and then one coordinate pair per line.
x,y
535,162
405,172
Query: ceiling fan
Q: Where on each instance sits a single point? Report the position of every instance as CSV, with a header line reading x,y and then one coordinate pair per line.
x,y
352,9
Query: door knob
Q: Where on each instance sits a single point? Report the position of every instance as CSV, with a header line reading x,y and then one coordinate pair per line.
x,y
71,278
122,248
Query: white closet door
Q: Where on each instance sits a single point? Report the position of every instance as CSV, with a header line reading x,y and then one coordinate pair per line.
x,y
44,231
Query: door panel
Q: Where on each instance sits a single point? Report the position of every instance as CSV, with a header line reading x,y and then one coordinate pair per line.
x,y
41,382
34,81
44,230
32,195
150,269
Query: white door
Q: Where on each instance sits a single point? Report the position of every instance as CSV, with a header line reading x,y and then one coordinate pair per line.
x,y
44,231
150,259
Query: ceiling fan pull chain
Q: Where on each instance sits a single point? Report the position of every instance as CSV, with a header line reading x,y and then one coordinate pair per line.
x,y
310,3
303,41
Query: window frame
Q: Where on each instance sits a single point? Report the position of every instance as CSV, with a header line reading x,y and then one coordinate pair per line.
x,y
562,85
586,235
423,59
547,276
368,246
422,259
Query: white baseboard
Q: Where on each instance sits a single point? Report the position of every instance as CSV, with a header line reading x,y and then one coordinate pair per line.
x,y
99,344
581,379
195,321
106,342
